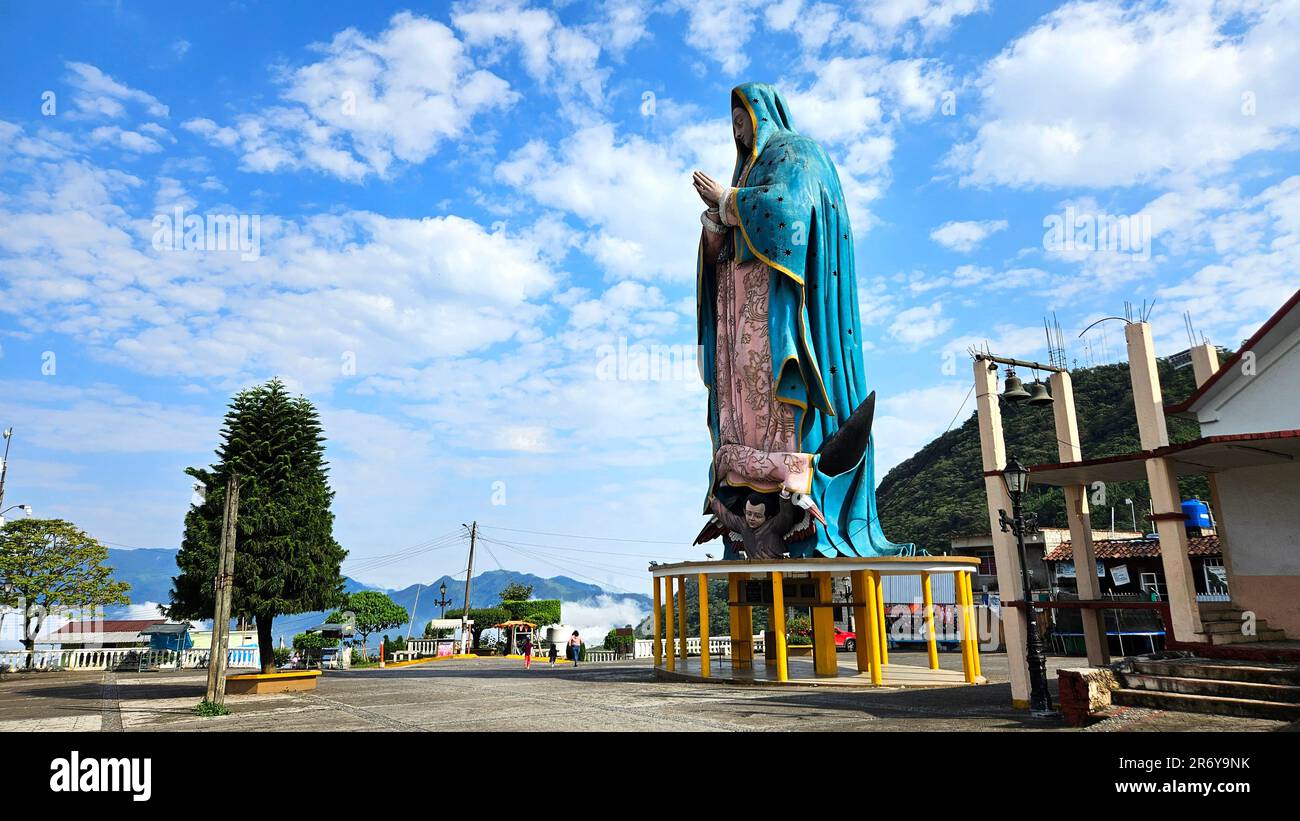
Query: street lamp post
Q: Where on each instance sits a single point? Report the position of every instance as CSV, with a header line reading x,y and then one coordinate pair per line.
x,y
1016,477
26,509
442,600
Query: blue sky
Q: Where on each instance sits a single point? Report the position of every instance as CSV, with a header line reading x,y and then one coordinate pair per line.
x,y
461,210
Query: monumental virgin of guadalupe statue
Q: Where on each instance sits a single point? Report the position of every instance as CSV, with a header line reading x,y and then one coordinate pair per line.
x,y
781,351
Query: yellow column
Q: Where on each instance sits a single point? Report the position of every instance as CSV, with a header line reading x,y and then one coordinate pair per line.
x,y
681,618
733,615
861,622
777,625
658,653
974,623
742,626
927,602
880,616
963,628
823,622
872,624
703,593
670,652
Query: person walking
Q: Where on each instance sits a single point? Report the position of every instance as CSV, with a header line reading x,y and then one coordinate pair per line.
x,y
555,653
575,647
528,653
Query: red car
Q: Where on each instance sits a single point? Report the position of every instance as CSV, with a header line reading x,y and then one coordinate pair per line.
x,y
844,640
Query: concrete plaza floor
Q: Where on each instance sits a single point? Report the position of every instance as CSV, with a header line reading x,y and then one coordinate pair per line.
x,y
498,694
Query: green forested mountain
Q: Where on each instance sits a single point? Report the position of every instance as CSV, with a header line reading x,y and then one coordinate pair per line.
x,y
939,493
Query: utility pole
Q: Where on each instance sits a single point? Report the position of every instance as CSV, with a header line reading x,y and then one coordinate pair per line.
x,y
216,692
469,576
414,609
4,465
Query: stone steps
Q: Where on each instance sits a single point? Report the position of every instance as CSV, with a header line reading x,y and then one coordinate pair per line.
x,y
1265,634
1220,670
1250,690
1218,686
1217,705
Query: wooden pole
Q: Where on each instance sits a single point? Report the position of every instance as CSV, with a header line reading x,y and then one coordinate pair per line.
x,y
223,589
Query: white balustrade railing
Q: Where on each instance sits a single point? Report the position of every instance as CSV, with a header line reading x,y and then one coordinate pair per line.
x,y
718,646
125,658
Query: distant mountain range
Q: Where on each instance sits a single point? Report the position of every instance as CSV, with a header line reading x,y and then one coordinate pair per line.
x,y
150,572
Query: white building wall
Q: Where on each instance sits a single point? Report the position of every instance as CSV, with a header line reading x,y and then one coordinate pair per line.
x,y
1267,401
1261,506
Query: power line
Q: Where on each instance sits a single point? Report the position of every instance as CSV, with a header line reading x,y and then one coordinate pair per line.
x,y
575,536
586,550
600,565
545,560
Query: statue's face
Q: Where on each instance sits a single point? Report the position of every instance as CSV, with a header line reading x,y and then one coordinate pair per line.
x,y
755,515
742,127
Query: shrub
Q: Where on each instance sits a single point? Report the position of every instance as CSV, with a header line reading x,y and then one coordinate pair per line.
x,y
312,641
619,644
798,630
208,709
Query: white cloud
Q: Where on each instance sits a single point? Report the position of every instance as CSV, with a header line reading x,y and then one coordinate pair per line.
x,y
98,94
920,324
966,236
552,53
1102,94
368,103
596,618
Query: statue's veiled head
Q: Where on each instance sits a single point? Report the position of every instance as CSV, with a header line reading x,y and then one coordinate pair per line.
x,y
758,112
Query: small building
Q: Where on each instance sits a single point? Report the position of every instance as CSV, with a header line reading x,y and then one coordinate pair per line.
x,y
239,639
103,634
1132,566
1047,540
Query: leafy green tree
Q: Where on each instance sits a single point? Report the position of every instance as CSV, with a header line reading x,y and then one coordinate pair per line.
x,y
516,591
541,612
484,618
47,564
286,558
938,493
372,611
619,644
313,641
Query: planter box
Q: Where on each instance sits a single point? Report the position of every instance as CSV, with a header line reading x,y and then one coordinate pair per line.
x,y
262,683
799,650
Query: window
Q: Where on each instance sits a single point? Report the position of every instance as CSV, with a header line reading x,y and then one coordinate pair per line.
x,y
988,565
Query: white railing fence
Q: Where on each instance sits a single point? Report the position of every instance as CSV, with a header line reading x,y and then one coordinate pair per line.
x,y
124,658
718,646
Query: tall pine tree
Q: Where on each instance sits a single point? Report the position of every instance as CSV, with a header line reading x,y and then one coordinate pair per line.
x,y
286,558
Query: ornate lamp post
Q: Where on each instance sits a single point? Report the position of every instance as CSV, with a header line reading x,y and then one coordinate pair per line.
x,y
1016,477
442,600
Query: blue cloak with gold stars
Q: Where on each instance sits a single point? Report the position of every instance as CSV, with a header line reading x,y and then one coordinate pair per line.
x,y
793,217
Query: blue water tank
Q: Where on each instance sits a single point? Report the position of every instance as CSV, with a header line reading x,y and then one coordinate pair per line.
x,y
1197,513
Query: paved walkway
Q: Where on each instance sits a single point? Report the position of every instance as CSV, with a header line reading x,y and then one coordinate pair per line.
x,y
493,694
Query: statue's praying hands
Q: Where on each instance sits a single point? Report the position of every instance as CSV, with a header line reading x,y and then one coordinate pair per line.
x,y
709,189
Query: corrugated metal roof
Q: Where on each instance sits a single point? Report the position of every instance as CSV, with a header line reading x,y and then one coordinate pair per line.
x,y
85,628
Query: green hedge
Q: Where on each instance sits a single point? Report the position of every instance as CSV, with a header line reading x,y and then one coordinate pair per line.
x,y
542,612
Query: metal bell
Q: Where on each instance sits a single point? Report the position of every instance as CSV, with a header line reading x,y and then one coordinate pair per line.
x,y
1014,389
1038,394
